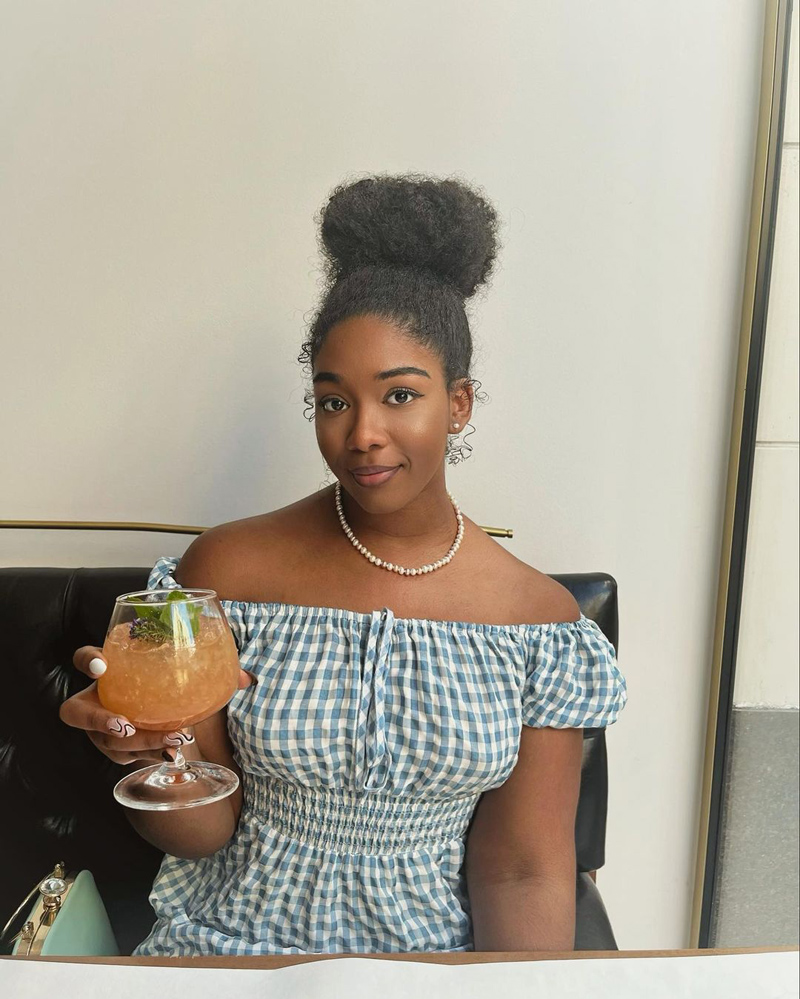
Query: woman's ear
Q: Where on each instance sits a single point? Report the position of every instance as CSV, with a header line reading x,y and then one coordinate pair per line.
x,y
461,399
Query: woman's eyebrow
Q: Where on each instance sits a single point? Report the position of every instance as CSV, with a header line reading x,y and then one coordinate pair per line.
x,y
329,376
394,372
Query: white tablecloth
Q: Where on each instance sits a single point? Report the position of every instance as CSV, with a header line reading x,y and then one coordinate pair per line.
x,y
728,976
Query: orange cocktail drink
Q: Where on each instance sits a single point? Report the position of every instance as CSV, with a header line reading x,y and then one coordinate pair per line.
x,y
171,662
161,686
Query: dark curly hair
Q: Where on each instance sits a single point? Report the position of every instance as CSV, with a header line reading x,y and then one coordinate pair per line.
x,y
410,250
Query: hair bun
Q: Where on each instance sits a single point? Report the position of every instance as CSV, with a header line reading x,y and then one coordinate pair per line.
x,y
440,226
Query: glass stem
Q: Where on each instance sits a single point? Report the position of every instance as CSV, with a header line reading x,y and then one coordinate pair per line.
x,y
178,764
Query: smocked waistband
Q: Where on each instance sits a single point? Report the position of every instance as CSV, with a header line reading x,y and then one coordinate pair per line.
x,y
346,822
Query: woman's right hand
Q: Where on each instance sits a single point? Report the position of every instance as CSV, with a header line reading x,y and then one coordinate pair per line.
x,y
114,735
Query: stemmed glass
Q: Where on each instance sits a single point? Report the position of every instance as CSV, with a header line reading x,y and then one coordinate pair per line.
x,y
171,662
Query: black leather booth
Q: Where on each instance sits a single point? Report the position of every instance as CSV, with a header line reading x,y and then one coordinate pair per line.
x,y
55,787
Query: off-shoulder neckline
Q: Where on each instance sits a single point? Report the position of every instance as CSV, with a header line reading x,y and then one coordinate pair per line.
x,y
343,613
270,606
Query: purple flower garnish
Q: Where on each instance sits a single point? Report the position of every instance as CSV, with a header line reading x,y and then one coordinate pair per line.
x,y
149,630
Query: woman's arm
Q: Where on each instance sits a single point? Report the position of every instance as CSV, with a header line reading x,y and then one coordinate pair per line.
x,y
520,859
204,829
190,832
526,913
208,562
193,832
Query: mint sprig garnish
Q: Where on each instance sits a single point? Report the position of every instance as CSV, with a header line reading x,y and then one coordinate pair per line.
x,y
160,623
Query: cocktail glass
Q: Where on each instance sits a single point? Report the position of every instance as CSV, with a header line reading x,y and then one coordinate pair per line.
x,y
171,662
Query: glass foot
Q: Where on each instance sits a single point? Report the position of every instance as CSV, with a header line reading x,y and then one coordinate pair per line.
x,y
170,786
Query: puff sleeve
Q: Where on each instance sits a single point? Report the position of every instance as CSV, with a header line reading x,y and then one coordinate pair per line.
x,y
571,677
162,577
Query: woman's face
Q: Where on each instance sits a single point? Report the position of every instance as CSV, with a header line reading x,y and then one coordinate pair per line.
x,y
370,412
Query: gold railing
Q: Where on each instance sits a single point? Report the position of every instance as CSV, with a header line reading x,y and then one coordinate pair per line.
x,y
117,525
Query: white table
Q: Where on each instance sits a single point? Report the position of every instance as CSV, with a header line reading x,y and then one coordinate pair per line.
x,y
741,973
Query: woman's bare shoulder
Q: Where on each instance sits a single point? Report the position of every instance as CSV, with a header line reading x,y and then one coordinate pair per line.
x,y
536,597
236,558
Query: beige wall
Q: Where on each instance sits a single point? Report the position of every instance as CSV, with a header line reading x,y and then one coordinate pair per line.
x,y
162,165
768,658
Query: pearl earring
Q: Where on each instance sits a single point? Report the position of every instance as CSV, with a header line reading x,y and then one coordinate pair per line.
x,y
456,425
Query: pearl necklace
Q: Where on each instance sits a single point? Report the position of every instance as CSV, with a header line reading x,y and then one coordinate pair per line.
x,y
389,565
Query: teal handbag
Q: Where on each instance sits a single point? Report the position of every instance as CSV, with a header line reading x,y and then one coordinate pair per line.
x,y
68,919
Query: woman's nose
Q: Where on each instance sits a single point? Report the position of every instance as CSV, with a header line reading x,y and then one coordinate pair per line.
x,y
365,431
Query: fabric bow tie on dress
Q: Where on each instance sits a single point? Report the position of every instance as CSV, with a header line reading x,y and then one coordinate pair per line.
x,y
372,770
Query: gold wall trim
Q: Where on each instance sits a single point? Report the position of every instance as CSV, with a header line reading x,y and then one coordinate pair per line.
x,y
118,525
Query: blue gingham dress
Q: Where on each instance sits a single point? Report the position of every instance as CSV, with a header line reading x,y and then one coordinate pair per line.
x,y
364,748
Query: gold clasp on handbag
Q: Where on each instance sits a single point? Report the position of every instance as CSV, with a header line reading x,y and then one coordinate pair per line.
x,y
52,890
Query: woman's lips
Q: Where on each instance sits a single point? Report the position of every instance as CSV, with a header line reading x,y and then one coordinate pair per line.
x,y
377,479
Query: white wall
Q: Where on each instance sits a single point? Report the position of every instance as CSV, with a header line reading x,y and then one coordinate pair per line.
x,y
164,165
768,655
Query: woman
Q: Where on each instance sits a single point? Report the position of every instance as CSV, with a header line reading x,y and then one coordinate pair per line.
x,y
399,664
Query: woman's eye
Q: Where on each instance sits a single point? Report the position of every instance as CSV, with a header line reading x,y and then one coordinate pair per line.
x,y
322,405
403,391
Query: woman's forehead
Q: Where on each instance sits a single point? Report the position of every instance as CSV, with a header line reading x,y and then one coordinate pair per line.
x,y
367,346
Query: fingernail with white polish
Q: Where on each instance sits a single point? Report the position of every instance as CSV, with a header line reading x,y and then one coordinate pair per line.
x,y
97,667
178,739
120,727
